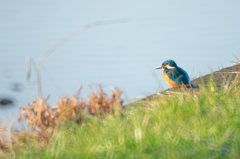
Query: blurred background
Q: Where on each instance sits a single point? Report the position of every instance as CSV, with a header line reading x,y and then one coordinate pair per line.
x,y
199,35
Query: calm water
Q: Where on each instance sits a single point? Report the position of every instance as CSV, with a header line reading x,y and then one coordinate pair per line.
x,y
198,35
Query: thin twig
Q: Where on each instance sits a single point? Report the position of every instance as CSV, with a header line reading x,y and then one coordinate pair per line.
x,y
78,93
136,97
79,31
37,66
226,72
175,92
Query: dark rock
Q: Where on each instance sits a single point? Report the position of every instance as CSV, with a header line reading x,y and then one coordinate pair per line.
x,y
6,101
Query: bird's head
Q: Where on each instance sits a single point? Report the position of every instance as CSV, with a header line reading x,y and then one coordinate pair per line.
x,y
169,64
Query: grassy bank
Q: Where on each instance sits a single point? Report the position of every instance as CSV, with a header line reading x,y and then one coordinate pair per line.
x,y
183,125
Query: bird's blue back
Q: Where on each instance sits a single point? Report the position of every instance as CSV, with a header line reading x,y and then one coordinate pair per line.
x,y
178,75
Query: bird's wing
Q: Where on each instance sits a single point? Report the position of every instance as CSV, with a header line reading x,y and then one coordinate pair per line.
x,y
178,75
186,74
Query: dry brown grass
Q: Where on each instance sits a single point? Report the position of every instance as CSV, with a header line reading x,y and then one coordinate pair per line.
x,y
43,119
5,135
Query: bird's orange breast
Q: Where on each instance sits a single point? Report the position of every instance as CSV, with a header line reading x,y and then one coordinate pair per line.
x,y
169,81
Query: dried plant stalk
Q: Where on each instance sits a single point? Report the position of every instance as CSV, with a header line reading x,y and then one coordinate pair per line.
x,y
40,117
43,119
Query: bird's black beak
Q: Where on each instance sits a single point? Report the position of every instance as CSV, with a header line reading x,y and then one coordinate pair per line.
x,y
159,67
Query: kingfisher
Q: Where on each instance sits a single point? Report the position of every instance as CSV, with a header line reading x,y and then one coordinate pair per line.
x,y
175,76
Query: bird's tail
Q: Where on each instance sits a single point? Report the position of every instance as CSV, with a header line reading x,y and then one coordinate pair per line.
x,y
193,85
